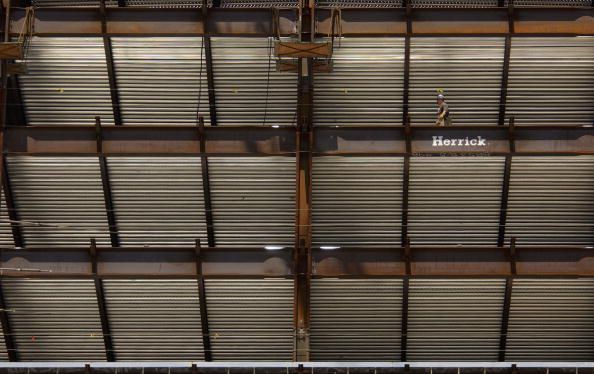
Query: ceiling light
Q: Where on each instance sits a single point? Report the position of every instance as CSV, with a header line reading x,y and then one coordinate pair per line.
x,y
275,126
273,247
329,247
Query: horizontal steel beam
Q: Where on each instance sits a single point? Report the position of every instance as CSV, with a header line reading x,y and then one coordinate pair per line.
x,y
262,141
284,365
156,22
149,140
143,262
262,22
259,262
456,140
456,21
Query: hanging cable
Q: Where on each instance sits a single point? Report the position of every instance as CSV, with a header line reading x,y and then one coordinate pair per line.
x,y
336,29
27,29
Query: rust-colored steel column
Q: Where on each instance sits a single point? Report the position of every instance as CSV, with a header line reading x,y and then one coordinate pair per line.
x,y
304,140
202,302
509,285
101,304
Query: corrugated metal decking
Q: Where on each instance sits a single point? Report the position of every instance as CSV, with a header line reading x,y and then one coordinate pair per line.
x,y
357,201
455,200
251,319
154,319
66,82
365,86
467,69
158,201
455,320
60,200
55,320
551,201
248,87
551,320
161,81
3,350
253,200
551,81
6,238
356,320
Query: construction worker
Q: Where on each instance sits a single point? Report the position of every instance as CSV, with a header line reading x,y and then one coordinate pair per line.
x,y
443,112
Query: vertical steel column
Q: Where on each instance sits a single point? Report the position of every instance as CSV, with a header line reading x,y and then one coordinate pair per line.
x,y
302,252
212,103
504,80
405,185
206,185
203,306
13,355
99,293
405,298
13,216
405,92
404,239
505,186
113,84
509,283
107,195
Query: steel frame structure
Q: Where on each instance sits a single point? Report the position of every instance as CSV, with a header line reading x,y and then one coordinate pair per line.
x,y
304,142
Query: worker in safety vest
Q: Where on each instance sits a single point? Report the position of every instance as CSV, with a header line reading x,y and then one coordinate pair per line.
x,y
443,112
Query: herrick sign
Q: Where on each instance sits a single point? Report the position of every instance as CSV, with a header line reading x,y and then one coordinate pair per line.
x,y
479,141
441,141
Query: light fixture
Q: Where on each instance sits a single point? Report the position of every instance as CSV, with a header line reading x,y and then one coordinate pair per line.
x,y
329,247
273,247
275,126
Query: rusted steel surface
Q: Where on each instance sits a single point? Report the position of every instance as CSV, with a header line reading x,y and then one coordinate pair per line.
x,y
157,262
136,21
460,21
303,181
258,140
454,21
571,21
126,21
101,305
147,140
147,262
203,306
455,262
364,22
454,140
